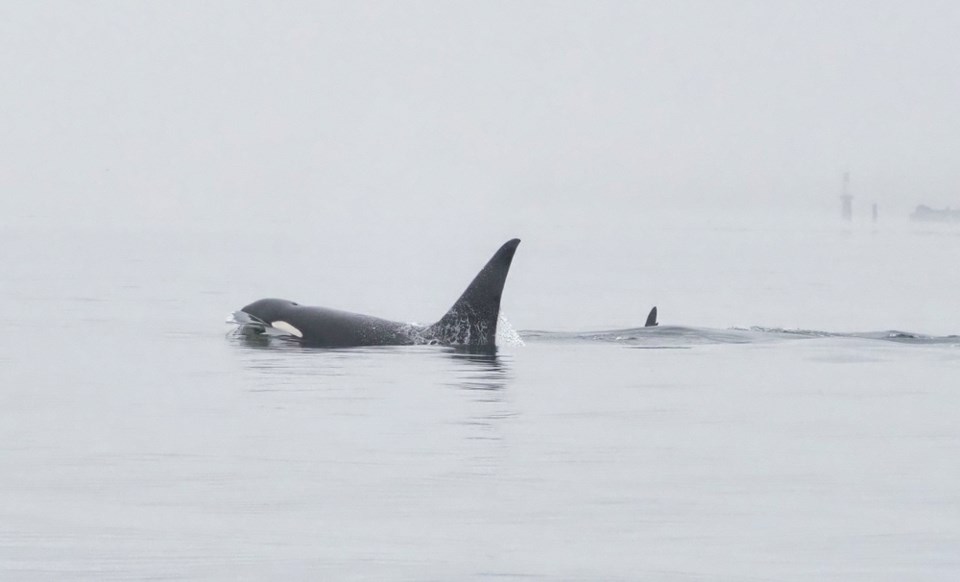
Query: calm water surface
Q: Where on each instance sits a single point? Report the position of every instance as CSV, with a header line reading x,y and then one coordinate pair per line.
x,y
139,438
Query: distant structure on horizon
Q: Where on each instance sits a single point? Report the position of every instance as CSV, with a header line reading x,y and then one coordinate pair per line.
x,y
846,199
924,213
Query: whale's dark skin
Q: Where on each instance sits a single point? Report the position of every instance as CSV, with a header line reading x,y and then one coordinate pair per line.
x,y
472,321
652,318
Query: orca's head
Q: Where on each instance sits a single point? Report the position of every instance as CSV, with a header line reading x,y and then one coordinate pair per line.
x,y
273,313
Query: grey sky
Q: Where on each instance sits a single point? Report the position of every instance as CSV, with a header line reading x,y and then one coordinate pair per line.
x,y
225,112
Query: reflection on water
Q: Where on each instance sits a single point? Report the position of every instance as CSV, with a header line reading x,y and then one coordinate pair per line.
x,y
475,367
409,403
479,375
482,375
253,338
479,369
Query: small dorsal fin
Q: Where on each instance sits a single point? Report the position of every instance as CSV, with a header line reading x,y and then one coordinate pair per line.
x,y
473,318
652,318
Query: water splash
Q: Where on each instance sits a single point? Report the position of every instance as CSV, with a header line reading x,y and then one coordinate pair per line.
x,y
506,334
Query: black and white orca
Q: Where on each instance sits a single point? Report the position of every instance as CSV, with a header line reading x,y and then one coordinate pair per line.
x,y
471,322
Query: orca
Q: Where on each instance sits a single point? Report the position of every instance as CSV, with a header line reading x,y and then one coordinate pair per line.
x,y
471,322
652,318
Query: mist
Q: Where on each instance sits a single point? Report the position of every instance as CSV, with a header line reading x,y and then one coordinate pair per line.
x,y
472,119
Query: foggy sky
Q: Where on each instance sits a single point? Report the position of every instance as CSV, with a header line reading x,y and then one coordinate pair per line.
x,y
327,114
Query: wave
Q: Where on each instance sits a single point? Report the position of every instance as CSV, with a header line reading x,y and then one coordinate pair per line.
x,y
678,337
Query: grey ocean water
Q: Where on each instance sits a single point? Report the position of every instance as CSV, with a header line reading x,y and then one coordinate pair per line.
x,y
142,439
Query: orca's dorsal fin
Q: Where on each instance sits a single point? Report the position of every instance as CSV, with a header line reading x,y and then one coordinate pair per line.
x,y
472,320
652,318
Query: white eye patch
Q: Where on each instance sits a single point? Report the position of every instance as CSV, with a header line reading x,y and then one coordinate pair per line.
x,y
284,326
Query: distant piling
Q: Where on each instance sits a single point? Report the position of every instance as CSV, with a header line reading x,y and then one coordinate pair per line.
x,y
846,199
846,211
